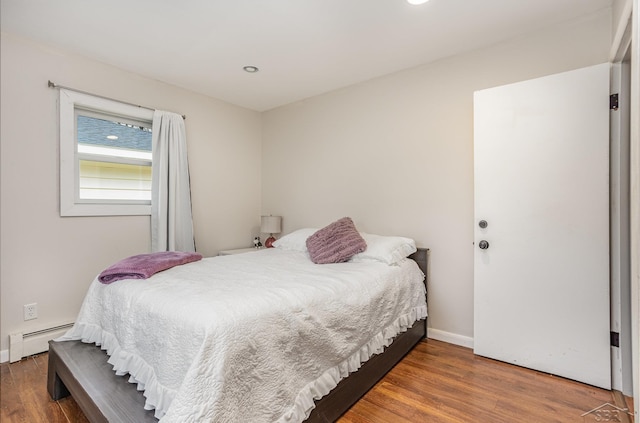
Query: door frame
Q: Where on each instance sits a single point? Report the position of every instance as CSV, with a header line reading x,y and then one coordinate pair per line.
x,y
635,199
621,356
627,38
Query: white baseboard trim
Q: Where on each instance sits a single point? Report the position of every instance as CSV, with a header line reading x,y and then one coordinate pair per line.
x,y
4,356
26,344
451,338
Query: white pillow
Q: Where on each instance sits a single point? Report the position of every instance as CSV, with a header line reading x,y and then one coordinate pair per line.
x,y
296,240
387,249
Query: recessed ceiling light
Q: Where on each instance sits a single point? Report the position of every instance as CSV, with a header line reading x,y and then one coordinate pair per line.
x,y
112,137
251,69
416,2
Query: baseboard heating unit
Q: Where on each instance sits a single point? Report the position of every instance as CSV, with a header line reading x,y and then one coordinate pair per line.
x,y
26,344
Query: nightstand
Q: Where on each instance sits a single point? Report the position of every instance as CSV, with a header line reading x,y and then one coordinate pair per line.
x,y
238,251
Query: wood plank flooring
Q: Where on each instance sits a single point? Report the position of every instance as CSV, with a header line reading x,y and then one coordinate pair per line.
x,y
436,382
439,382
24,397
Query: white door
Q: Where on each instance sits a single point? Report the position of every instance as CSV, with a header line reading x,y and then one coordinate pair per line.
x,y
541,285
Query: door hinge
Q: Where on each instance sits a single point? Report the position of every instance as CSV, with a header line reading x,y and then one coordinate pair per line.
x,y
615,339
613,102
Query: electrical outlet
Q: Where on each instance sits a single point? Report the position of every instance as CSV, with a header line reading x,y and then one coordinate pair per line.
x,y
31,311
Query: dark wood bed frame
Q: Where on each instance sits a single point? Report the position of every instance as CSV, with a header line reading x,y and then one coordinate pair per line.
x,y
81,370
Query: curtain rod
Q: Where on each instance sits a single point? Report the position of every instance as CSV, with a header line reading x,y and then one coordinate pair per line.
x,y
51,84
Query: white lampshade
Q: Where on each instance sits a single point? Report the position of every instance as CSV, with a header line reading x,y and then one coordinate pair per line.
x,y
271,224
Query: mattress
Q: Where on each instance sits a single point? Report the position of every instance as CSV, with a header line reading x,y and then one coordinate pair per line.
x,y
249,337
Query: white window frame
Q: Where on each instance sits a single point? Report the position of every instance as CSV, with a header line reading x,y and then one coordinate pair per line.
x,y
70,205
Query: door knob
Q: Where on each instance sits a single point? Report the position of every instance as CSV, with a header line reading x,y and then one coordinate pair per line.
x,y
483,245
483,224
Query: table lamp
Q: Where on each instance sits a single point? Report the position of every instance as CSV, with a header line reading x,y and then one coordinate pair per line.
x,y
270,225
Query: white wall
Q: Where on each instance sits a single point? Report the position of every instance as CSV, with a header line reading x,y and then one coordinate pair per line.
x,y
396,154
51,260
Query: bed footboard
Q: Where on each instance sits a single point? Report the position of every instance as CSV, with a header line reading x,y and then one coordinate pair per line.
x,y
81,370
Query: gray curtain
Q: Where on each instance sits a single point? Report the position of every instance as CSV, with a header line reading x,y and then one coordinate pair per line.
x,y
171,219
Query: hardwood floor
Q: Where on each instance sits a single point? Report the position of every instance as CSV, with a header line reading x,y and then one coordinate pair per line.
x,y
436,382
24,397
439,382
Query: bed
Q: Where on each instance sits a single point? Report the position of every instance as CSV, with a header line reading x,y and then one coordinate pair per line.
x,y
190,362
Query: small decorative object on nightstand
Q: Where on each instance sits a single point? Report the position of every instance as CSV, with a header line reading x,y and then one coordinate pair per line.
x,y
256,242
270,225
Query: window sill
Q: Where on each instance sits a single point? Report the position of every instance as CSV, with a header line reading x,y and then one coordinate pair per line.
x,y
106,210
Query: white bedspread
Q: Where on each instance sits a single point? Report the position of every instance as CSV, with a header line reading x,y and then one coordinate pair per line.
x,y
251,337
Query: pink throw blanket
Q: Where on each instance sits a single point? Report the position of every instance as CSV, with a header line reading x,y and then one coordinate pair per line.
x,y
144,265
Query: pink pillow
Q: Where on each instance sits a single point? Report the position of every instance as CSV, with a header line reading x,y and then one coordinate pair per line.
x,y
335,243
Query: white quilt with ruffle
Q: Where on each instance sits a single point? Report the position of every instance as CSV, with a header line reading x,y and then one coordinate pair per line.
x,y
251,337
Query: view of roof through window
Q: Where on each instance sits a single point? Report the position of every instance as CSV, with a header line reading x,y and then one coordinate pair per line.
x,y
112,135
114,159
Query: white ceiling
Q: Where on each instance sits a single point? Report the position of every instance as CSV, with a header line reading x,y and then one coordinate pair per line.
x,y
302,47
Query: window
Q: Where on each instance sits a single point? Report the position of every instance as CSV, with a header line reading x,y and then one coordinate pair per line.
x,y
105,157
